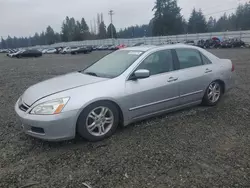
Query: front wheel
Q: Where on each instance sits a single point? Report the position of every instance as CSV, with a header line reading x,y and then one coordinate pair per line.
x,y
98,121
212,94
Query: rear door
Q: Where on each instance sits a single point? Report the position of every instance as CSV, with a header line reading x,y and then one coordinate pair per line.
x,y
196,73
158,92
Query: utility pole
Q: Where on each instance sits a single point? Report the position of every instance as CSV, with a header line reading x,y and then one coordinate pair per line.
x,y
111,13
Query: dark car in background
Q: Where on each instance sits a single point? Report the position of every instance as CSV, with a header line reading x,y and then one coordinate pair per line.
x,y
28,53
80,50
139,44
89,48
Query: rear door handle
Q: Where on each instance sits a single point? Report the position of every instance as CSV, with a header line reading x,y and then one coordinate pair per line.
x,y
208,70
172,79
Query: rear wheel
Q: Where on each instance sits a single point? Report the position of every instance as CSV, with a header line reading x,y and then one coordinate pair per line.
x,y
98,121
212,94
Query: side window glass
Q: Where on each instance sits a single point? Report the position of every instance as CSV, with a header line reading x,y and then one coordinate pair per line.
x,y
188,58
205,59
158,62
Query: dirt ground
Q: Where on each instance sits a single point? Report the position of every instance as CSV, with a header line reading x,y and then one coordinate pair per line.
x,y
197,147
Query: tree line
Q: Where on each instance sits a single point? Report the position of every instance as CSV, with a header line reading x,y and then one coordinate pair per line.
x,y
167,20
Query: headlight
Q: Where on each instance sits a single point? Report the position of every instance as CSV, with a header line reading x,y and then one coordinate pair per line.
x,y
50,107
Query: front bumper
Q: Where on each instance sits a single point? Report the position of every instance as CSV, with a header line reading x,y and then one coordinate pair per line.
x,y
56,127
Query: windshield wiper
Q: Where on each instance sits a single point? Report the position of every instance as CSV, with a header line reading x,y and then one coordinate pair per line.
x,y
91,73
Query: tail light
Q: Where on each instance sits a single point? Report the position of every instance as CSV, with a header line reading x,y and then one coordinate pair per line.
x,y
232,68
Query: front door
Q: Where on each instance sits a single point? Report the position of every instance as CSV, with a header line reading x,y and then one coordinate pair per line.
x,y
158,92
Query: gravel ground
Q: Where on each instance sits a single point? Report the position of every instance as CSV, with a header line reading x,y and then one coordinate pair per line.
x,y
198,147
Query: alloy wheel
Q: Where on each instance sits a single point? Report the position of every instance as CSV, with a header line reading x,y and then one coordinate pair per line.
x,y
214,92
99,121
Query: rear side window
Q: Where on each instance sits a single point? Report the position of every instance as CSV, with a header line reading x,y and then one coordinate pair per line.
x,y
205,60
188,58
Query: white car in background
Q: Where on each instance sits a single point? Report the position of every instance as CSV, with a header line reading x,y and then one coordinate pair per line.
x,y
68,50
50,51
44,51
15,53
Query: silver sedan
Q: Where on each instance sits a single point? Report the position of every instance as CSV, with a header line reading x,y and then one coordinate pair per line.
x,y
123,87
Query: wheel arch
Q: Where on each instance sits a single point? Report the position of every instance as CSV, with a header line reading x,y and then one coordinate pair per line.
x,y
121,114
222,83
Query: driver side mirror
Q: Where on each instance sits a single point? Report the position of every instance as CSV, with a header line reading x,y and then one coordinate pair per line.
x,y
140,74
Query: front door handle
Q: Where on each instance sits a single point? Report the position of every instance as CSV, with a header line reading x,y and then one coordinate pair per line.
x,y
172,79
208,70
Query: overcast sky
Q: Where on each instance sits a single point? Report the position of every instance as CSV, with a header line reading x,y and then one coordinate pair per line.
x,y
25,17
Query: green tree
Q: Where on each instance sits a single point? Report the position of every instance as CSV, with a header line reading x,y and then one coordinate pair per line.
x,y
242,17
222,23
65,30
109,32
3,43
211,24
167,18
77,36
197,22
102,31
71,28
84,30
136,31
43,39
50,35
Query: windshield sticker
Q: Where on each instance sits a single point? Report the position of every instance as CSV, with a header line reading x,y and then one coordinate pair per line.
x,y
135,53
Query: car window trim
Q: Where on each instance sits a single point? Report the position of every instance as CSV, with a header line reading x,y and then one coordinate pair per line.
x,y
174,66
201,54
179,67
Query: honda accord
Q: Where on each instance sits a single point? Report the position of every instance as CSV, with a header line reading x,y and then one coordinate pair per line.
x,y
125,86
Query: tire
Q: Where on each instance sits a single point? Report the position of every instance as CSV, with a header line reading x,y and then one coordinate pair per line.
x,y
98,129
213,94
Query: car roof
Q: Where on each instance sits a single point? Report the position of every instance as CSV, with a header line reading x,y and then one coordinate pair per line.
x,y
153,47
140,48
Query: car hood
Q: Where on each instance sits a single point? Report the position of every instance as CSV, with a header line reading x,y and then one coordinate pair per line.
x,y
58,84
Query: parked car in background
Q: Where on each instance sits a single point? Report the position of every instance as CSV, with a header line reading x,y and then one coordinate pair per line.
x,y
99,47
189,42
104,47
11,51
51,51
28,53
16,53
59,50
89,48
44,51
136,83
3,51
236,43
113,47
66,50
80,50
139,44
94,47
121,46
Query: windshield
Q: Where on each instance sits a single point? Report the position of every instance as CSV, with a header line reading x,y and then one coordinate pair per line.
x,y
113,64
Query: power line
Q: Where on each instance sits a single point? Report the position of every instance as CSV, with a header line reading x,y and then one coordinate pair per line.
x,y
221,11
239,1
